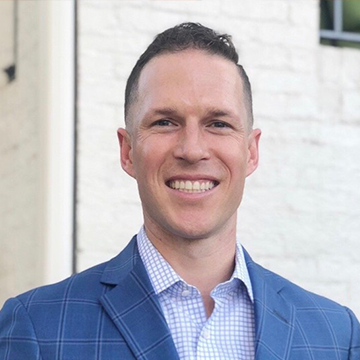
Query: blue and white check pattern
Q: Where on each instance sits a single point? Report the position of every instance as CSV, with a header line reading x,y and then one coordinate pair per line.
x,y
229,333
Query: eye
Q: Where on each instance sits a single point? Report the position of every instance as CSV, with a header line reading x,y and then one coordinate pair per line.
x,y
220,124
162,122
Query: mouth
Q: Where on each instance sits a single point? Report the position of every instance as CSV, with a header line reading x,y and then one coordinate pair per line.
x,y
190,186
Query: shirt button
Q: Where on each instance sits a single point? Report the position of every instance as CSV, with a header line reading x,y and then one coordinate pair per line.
x,y
206,334
185,293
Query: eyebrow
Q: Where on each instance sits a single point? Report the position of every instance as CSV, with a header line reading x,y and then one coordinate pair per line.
x,y
166,111
212,112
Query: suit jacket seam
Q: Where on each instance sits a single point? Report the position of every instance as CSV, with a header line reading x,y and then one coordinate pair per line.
x,y
351,318
32,325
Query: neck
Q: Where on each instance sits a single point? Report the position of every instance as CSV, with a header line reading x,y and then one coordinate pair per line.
x,y
204,262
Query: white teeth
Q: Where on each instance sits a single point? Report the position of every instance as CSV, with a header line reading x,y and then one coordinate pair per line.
x,y
191,186
196,186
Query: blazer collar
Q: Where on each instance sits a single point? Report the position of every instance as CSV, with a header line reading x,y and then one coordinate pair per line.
x,y
134,307
135,310
274,316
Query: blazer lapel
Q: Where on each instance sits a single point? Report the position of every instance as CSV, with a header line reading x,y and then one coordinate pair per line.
x,y
274,317
134,307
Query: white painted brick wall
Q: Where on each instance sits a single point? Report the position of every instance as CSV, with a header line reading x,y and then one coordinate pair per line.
x,y
21,254
300,215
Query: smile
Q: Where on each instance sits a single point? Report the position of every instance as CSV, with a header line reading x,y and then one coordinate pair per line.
x,y
192,186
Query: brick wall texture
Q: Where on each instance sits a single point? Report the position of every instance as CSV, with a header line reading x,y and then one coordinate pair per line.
x,y
300,215
21,244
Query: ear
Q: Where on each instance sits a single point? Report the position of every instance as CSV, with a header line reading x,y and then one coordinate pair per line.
x,y
126,152
253,151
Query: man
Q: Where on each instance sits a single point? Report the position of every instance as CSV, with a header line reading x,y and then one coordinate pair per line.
x,y
183,288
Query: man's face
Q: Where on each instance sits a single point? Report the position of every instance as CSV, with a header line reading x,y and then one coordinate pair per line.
x,y
190,146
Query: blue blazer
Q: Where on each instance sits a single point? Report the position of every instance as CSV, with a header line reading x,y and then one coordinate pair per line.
x,y
110,312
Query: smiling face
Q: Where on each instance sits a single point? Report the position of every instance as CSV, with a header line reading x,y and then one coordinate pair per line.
x,y
190,147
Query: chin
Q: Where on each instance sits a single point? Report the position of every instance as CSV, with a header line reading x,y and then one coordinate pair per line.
x,y
199,227
192,231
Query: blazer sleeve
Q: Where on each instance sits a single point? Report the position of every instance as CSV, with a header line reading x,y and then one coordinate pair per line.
x,y
17,335
354,352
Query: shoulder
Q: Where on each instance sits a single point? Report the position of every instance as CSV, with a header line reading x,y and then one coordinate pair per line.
x,y
313,310
322,318
88,285
85,285
39,313
301,298
290,292
316,321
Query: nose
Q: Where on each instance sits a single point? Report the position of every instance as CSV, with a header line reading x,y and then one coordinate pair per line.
x,y
192,145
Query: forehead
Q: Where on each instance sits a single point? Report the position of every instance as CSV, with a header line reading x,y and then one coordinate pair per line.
x,y
190,79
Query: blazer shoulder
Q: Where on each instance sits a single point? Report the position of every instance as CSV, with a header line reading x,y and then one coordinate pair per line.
x,y
324,316
17,333
292,293
301,297
84,286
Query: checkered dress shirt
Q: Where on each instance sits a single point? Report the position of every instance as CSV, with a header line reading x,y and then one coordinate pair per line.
x,y
228,334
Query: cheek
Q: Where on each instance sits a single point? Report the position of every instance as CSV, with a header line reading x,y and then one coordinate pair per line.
x,y
146,160
155,151
234,156
148,163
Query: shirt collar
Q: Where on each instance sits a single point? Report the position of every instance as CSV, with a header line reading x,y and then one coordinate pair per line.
x,y
163,276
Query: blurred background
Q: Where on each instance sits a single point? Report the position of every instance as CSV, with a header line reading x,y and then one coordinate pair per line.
x,y
66,205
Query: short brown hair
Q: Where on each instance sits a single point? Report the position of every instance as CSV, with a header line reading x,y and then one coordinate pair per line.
x,y
182,37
